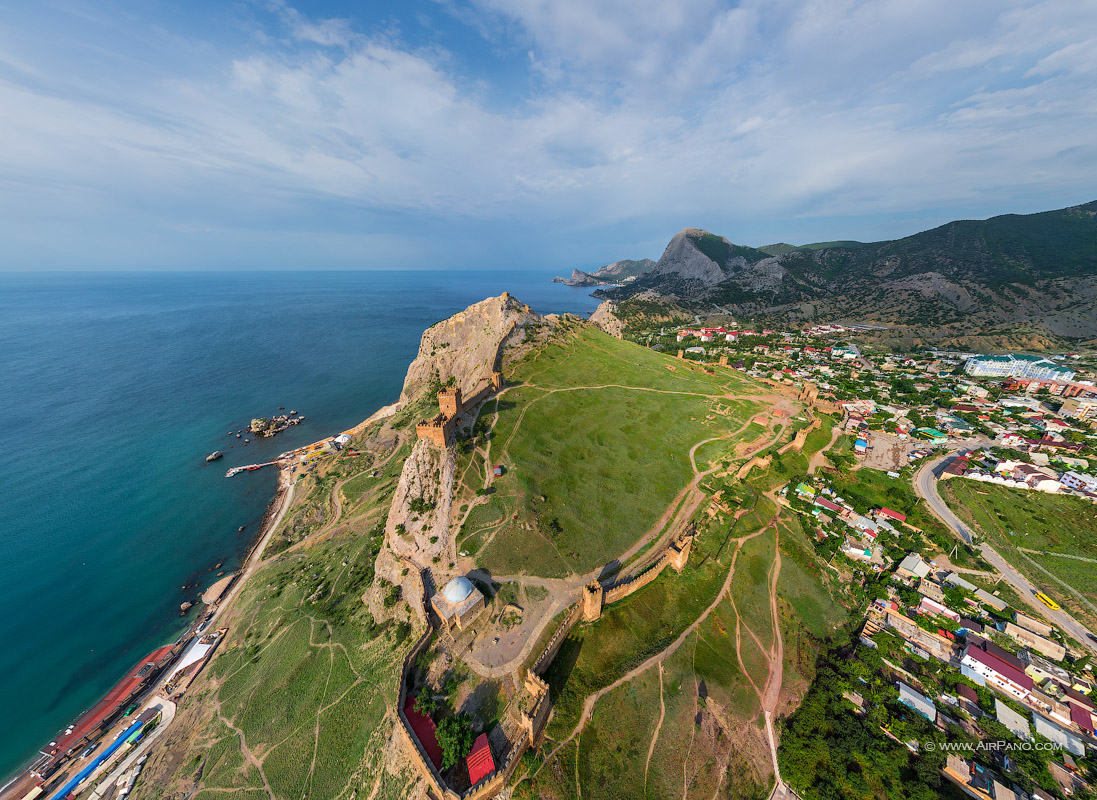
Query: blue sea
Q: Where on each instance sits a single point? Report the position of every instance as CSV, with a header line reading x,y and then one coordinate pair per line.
x,y
115,387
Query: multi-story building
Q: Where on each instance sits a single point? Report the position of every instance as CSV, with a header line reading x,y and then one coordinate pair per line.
x,y
1079,407
1017,366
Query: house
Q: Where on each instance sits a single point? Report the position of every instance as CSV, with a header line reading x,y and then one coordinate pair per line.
x,y
955,579
912,567
895,515
1015,722
994,602
1062,735
1079,481
1046,647
822,502
996,671
1018,365
917,701
930,435
860,447
1078,408
1030,624
479,762
928,606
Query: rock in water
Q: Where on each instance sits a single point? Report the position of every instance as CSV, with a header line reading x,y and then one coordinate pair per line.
x,y
216,454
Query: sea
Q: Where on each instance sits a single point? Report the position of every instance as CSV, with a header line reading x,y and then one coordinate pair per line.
x,y
115,386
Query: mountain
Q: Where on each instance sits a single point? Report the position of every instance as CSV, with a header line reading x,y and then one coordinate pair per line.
x,y
617,272
1037,271
781,247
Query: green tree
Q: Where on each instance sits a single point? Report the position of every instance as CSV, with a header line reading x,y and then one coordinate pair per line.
x,y
455,738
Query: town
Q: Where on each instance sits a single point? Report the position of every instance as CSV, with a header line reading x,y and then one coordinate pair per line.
x,y
951,658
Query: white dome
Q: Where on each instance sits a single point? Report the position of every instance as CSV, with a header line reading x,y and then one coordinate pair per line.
x,y
457,590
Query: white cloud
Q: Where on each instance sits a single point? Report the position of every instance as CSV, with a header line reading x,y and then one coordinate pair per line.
x,y
675,112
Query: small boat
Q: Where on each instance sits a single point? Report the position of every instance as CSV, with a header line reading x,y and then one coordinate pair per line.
x,y
216,454
253,467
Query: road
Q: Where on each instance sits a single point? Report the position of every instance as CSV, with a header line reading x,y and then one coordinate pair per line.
x,y
925,484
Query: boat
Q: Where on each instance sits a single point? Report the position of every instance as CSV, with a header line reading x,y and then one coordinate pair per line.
x,y
253,467
216,454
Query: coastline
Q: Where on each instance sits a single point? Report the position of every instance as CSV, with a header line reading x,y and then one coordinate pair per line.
x,y
20,780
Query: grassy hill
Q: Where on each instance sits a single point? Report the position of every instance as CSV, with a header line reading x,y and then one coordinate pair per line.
x,y
1052,539
594,436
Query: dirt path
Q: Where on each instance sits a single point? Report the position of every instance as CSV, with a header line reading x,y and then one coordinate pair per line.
x,y
818,459
661,656
658,727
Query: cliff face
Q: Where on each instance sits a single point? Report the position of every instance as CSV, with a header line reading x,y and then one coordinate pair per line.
x,y
467,346
605,319
618,272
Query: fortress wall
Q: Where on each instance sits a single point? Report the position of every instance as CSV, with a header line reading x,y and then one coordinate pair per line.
x,y
551,649
630,585
419,756
798,440
757,461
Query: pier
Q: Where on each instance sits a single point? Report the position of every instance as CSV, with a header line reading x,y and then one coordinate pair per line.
x,y
250,468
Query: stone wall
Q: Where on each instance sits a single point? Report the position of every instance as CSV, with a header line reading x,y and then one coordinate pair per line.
x,y
758,461
798,440
551,649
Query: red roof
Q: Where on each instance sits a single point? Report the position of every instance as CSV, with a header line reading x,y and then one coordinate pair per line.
x,y
1007,671
1081,717
480,762
423,727
109,704
887,512
822,501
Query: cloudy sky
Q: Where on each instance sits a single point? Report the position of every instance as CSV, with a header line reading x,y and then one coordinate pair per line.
x,y
525,133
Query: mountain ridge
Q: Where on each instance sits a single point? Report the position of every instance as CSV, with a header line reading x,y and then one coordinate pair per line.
x,y
1035,269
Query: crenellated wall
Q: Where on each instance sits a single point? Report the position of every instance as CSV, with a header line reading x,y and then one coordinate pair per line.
x,y
553,646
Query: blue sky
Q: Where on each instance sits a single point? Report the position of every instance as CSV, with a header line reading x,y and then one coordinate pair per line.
x,y
525,133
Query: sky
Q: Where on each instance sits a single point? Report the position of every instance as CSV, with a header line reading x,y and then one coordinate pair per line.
x,y
525,133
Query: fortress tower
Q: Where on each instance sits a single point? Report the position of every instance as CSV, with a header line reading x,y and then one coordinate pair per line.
x,y
449,401
592,601
679,552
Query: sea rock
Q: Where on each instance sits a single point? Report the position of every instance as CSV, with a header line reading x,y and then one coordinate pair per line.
x,y
185,607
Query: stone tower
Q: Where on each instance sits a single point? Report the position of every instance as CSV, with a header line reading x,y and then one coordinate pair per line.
x,y
449,402
592,601
679,552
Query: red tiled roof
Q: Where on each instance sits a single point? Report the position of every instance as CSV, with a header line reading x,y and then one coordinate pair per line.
x,y
423,727
827,504
887,512
479,761
1007,671
1081,717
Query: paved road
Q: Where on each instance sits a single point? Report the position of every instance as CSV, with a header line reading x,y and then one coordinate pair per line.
x,y
925,484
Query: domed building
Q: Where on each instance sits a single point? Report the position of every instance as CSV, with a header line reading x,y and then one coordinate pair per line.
x,y
458,604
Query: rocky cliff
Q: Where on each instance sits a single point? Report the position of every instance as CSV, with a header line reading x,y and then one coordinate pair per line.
x,y
618,272
468,345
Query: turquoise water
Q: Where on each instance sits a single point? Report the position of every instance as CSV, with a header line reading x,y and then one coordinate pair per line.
x,y
115,387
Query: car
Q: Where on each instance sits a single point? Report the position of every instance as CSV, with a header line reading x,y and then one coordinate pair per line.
x,y
1092,636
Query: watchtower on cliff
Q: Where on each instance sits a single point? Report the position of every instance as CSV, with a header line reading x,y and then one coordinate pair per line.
x,y
449,401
